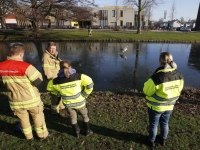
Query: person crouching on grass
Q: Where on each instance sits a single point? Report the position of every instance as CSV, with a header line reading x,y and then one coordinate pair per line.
x,y
74,88
162,91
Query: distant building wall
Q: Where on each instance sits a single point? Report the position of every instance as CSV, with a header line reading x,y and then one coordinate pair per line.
x,y
106,16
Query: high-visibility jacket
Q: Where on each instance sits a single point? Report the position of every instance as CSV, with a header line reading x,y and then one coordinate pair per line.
x,y
73,90
20,79
163,89
51,65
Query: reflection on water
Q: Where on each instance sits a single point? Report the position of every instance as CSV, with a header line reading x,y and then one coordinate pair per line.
x,y
194,57
111,72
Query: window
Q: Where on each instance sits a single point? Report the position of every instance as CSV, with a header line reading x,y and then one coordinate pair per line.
x,y
113,24
113,13
121,23
103,15
95,14
121,13
128,24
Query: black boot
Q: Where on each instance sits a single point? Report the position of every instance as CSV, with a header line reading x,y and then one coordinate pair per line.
x,y
76,129
50,134
162,142
87,129
149,143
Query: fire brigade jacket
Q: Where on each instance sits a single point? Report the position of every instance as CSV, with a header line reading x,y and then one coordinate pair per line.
x,y
163,89
20,80
73,90
51,65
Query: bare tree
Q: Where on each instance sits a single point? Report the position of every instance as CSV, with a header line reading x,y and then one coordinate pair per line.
x,y
173,10
37,10
117,11
5,7
160,21
182,20
142,5
149,12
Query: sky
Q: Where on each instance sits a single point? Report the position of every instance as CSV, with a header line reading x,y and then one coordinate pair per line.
x,y
184,8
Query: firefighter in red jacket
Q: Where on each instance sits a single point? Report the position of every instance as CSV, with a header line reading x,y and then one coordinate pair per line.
x,y
20,80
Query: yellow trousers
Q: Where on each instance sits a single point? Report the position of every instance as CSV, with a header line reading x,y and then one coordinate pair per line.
x,y
38,119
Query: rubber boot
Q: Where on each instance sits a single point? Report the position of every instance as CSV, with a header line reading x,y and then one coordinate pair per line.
x,y
149,143
50,134
88,131
76,129
162,142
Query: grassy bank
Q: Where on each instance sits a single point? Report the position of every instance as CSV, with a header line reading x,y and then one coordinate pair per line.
x,y
119,121
99,35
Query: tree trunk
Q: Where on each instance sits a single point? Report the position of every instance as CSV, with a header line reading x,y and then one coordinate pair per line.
x,y
139,17
58,22
35,26
2,23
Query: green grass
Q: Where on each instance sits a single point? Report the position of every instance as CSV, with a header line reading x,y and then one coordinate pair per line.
x,y
119,121
83,35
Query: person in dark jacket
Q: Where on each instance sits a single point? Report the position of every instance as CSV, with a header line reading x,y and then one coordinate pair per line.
x,y
162,90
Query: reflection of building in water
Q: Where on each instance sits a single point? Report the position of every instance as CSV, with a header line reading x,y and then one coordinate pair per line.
x,y
90,47
194,57
4,51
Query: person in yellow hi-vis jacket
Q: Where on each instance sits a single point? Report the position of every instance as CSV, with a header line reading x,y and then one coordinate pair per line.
x,y
20,80
51,67
74,89
162,91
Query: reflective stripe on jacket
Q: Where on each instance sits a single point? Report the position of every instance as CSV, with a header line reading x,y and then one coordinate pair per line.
x,y
163,89
20,79
51,65
73,90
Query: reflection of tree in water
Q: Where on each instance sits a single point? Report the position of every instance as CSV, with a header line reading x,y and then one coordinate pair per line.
x,y
31,54
4,51
127,73
40,51
136,64
194,57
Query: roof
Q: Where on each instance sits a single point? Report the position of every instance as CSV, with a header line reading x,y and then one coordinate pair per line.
x,y
10,16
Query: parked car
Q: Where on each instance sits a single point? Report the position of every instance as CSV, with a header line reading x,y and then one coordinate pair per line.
x,y
173,29
182,29
187,29
178,28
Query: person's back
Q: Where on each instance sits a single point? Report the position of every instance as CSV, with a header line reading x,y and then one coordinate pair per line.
x,y
74,88
71,89
168,86
162,90
20,79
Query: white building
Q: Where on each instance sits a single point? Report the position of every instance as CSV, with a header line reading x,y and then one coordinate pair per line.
x,y
175,24
164,24
118,16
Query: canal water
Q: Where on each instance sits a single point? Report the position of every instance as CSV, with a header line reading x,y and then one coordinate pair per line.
x,y
110,71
